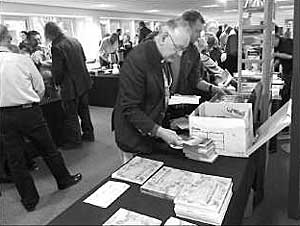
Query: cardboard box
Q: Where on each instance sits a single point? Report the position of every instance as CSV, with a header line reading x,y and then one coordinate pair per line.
x,y
234,136
229,125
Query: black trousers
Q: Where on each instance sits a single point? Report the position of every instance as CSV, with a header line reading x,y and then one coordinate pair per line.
x,y
29,122
84,115
73,109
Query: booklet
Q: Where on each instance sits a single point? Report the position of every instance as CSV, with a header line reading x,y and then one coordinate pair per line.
x,y
137,170
107,194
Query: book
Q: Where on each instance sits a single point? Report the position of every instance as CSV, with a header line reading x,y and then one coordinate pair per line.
x,y
167,182
137,170
127,217
205,192
107,194
213,218
172,221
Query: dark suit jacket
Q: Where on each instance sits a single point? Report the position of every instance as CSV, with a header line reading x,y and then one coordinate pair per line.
x,y
69,68
140,105
143,33
190,72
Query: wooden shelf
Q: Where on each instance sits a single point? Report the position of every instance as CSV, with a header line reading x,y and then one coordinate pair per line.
x,y
253,27
254,9
252,61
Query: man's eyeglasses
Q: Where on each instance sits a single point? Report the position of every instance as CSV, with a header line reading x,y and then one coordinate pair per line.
x,y
178,49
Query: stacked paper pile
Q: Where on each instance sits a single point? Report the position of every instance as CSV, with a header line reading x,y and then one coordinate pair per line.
x,y
206,199
200,149
167,182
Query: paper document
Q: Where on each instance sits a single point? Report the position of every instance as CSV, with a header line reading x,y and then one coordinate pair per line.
x,y
277,122
184,99
127,217
107,194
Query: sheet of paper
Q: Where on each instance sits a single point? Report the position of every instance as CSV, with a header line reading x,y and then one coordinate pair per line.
x,y
107,194
171,221
277,122
127,217
184,99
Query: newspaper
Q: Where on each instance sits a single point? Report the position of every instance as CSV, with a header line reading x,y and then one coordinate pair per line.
x,y
184,99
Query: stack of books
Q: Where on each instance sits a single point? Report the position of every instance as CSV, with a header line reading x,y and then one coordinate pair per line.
x,y
137,170
167,182
200,149
205,199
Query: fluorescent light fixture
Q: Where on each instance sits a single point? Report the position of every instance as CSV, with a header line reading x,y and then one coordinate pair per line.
x,y
152,11
286,7
210,6
230,10
282,0
104,6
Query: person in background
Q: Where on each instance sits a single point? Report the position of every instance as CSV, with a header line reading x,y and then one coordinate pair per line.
x,y
288,33
24,44
223,37
216,75
144,92
229,58
283,55
127,45
70,73
213,47
143,31
108,50
20,115
119,33
219,32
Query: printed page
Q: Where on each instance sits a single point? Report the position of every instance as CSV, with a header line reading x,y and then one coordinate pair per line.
x,y
107,194
126,217
137,170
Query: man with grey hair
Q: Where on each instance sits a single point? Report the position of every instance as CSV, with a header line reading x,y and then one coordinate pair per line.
x,y
144,92
70,73
21,89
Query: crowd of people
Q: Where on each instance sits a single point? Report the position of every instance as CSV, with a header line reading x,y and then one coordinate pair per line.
x,y
179,57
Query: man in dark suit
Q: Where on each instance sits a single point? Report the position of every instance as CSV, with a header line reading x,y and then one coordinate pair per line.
x,y
70,73
144,91
143,31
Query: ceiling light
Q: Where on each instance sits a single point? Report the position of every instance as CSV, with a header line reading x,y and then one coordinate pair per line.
x,y
230,10
286,7
210,6
104,6
152,11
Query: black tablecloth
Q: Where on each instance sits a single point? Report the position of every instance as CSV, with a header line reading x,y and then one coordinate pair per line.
x,y
243,172
104,91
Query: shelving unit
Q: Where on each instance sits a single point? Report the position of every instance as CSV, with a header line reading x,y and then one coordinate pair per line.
x,y
261,62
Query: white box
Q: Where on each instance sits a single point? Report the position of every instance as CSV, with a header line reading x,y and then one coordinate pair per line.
x,y
229,125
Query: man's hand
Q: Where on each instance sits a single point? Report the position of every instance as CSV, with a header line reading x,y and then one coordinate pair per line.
x,y
169,136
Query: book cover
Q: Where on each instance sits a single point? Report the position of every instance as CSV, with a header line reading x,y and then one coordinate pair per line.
x,y
137,170
167,182
206,192
107,194
127,217
213,218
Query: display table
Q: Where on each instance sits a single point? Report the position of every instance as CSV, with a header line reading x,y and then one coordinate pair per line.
x,y
242,171
104,90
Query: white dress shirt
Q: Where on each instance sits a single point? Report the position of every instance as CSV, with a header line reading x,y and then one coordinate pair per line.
x,y
20,81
